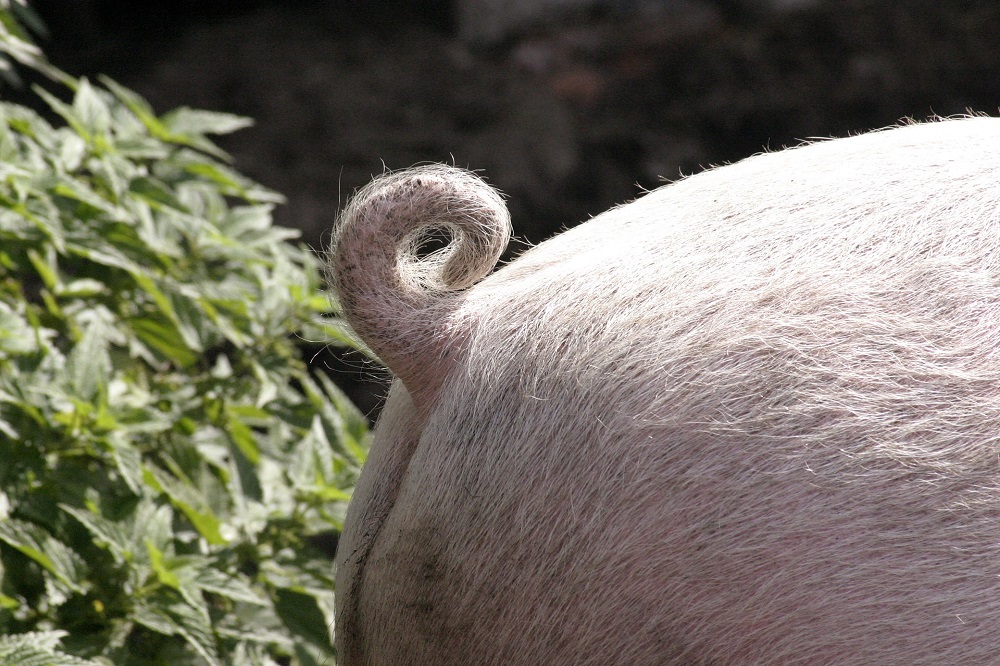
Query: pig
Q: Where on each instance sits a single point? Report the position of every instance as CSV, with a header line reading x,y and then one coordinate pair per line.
x,y
752,417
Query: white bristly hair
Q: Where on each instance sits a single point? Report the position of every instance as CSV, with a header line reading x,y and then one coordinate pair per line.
x,y
750,418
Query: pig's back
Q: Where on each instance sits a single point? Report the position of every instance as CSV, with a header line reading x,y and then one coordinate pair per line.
x,y
753,417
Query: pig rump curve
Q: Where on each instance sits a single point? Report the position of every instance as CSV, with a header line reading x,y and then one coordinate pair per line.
x,y
750,418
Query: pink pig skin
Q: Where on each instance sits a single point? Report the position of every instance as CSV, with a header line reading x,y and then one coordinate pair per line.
x,y
750,418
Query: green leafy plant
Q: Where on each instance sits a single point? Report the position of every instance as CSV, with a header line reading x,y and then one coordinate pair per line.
x,y
165,452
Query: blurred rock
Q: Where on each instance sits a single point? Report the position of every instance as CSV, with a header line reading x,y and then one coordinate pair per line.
x,y
483,22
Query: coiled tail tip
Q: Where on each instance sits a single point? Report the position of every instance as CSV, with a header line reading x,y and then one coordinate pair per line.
x,y
395,288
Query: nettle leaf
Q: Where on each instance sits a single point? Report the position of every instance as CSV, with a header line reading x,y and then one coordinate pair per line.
x,y
150,526
45,267
137,105
75,190
310,654
193,323
8,142
82,288
106,533
249,653
102,253
156,194
189,501
89,106
127,460
153,618
192,122
347,424
160,568
303,616
46,641
268,627
8,428
54,556
247,223
17,336
165,338
38,648
193,575
242,436
68,113
163,239
231,183
194,626
176,618
167,305
70,153
231,587
160,434
88,366
43,214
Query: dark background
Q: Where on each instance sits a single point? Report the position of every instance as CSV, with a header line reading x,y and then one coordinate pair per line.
x,y
567,116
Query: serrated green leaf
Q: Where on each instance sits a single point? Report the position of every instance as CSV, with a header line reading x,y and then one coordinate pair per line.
x,y
141,148
16,335
88,366
92,111
163,573
186,322
16,44
26,539
128,461
251,653
43,640
83,288
137,105
233,328
150,399
156,194
189,502
35,211
310,654
187,122
37,648
147,284
347,425
221,176
71,152
231,587
242,436
16,399
67,112
179,619
165,339
45,267
205,522
338,332
53,555
26,655
104,254
267,626
192,322
153,619
151,523
196,629
106,533
77,191
243,222
303,617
